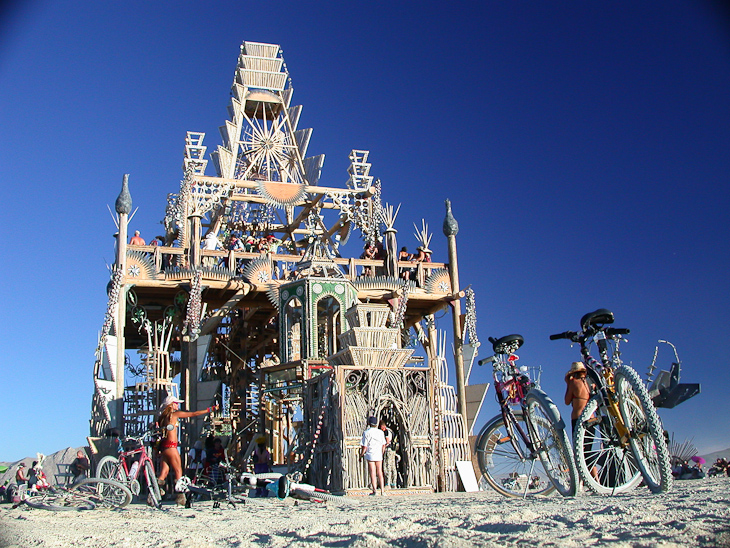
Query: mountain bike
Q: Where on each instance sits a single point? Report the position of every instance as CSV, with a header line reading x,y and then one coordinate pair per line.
x,y
86,494
132,463
523,451
618,439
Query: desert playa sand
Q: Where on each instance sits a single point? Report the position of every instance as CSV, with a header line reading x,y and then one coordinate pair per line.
x,y
693,513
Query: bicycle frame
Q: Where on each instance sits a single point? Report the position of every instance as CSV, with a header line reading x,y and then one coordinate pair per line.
x,y
601,372
144,457
516,386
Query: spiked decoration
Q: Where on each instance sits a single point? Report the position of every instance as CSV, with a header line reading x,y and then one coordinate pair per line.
x,y
389,217
423,237
140,264
259,271
438,281
209,273
383,282
273,294
281,194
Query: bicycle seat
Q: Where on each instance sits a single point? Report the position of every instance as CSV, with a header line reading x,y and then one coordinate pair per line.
x,y
507,344
596,319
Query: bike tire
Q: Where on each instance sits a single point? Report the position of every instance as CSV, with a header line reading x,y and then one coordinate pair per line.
x,y
104,492
597,447
153,488
553,445
502,466
319,495
646,439
59,501
110,468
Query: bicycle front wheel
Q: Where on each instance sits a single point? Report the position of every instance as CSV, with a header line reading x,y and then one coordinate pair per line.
x,y
153,488
646,435
506,463
59,501
551,442
104,492
605,466
110,468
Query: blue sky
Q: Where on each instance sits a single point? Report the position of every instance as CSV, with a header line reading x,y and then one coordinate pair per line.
x,y
584,146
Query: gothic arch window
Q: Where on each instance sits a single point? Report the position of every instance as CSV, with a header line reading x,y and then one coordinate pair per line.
x,y
328,326
293,329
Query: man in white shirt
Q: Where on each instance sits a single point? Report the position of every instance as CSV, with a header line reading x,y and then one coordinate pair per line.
x,y
372,447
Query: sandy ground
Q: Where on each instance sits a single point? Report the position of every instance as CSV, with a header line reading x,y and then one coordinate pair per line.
x,y
693,513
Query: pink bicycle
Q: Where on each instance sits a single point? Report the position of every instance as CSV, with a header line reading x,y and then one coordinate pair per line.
x,y
133,461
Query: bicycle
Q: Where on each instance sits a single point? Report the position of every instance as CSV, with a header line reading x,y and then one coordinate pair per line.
x,y
207,487
116,468
618,439
86,494
523,451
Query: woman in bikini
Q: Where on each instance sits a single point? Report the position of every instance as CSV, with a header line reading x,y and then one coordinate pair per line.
x,y
168,423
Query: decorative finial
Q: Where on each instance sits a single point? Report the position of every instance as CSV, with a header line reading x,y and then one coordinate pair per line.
x,y
451,227
123,205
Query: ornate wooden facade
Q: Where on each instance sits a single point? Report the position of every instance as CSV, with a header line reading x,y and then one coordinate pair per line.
x,y
295,339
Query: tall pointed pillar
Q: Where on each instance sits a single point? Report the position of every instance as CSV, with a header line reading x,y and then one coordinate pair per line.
x,y
451,229
123,207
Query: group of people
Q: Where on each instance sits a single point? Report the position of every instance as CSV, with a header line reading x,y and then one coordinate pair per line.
x,y
721,467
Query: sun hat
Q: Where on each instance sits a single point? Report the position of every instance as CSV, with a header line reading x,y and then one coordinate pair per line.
x,y
372,421
575,367
169,400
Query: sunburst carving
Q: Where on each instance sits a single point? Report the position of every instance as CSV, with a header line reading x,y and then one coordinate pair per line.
x,y
139,265
281,194
259,271
439,282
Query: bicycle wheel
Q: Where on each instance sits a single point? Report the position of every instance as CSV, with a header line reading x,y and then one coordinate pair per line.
x,y
110,468
509,472
646,435
605,466
552,443
104,492
319,495
153,488
59,501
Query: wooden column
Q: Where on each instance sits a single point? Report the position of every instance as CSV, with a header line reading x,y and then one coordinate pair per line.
x,y
123,206
451,229
194,250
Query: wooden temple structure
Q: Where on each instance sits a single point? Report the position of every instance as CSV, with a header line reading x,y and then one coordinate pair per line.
x,y
250,301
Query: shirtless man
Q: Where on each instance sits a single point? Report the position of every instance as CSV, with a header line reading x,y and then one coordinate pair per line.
x,y
136,239
577,393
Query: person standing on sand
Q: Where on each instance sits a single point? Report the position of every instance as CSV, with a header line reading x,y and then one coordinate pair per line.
x,y
168,422
372,447
577,392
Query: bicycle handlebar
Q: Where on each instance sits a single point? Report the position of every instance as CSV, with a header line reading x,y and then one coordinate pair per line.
x,y
571,335
486,360
579,337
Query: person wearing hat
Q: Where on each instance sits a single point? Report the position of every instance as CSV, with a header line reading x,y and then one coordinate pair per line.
x,y
168,421
372,447
20,478
577,392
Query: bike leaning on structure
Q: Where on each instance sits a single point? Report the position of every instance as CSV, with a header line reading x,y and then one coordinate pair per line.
x,y
618,439
133,462
523,451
